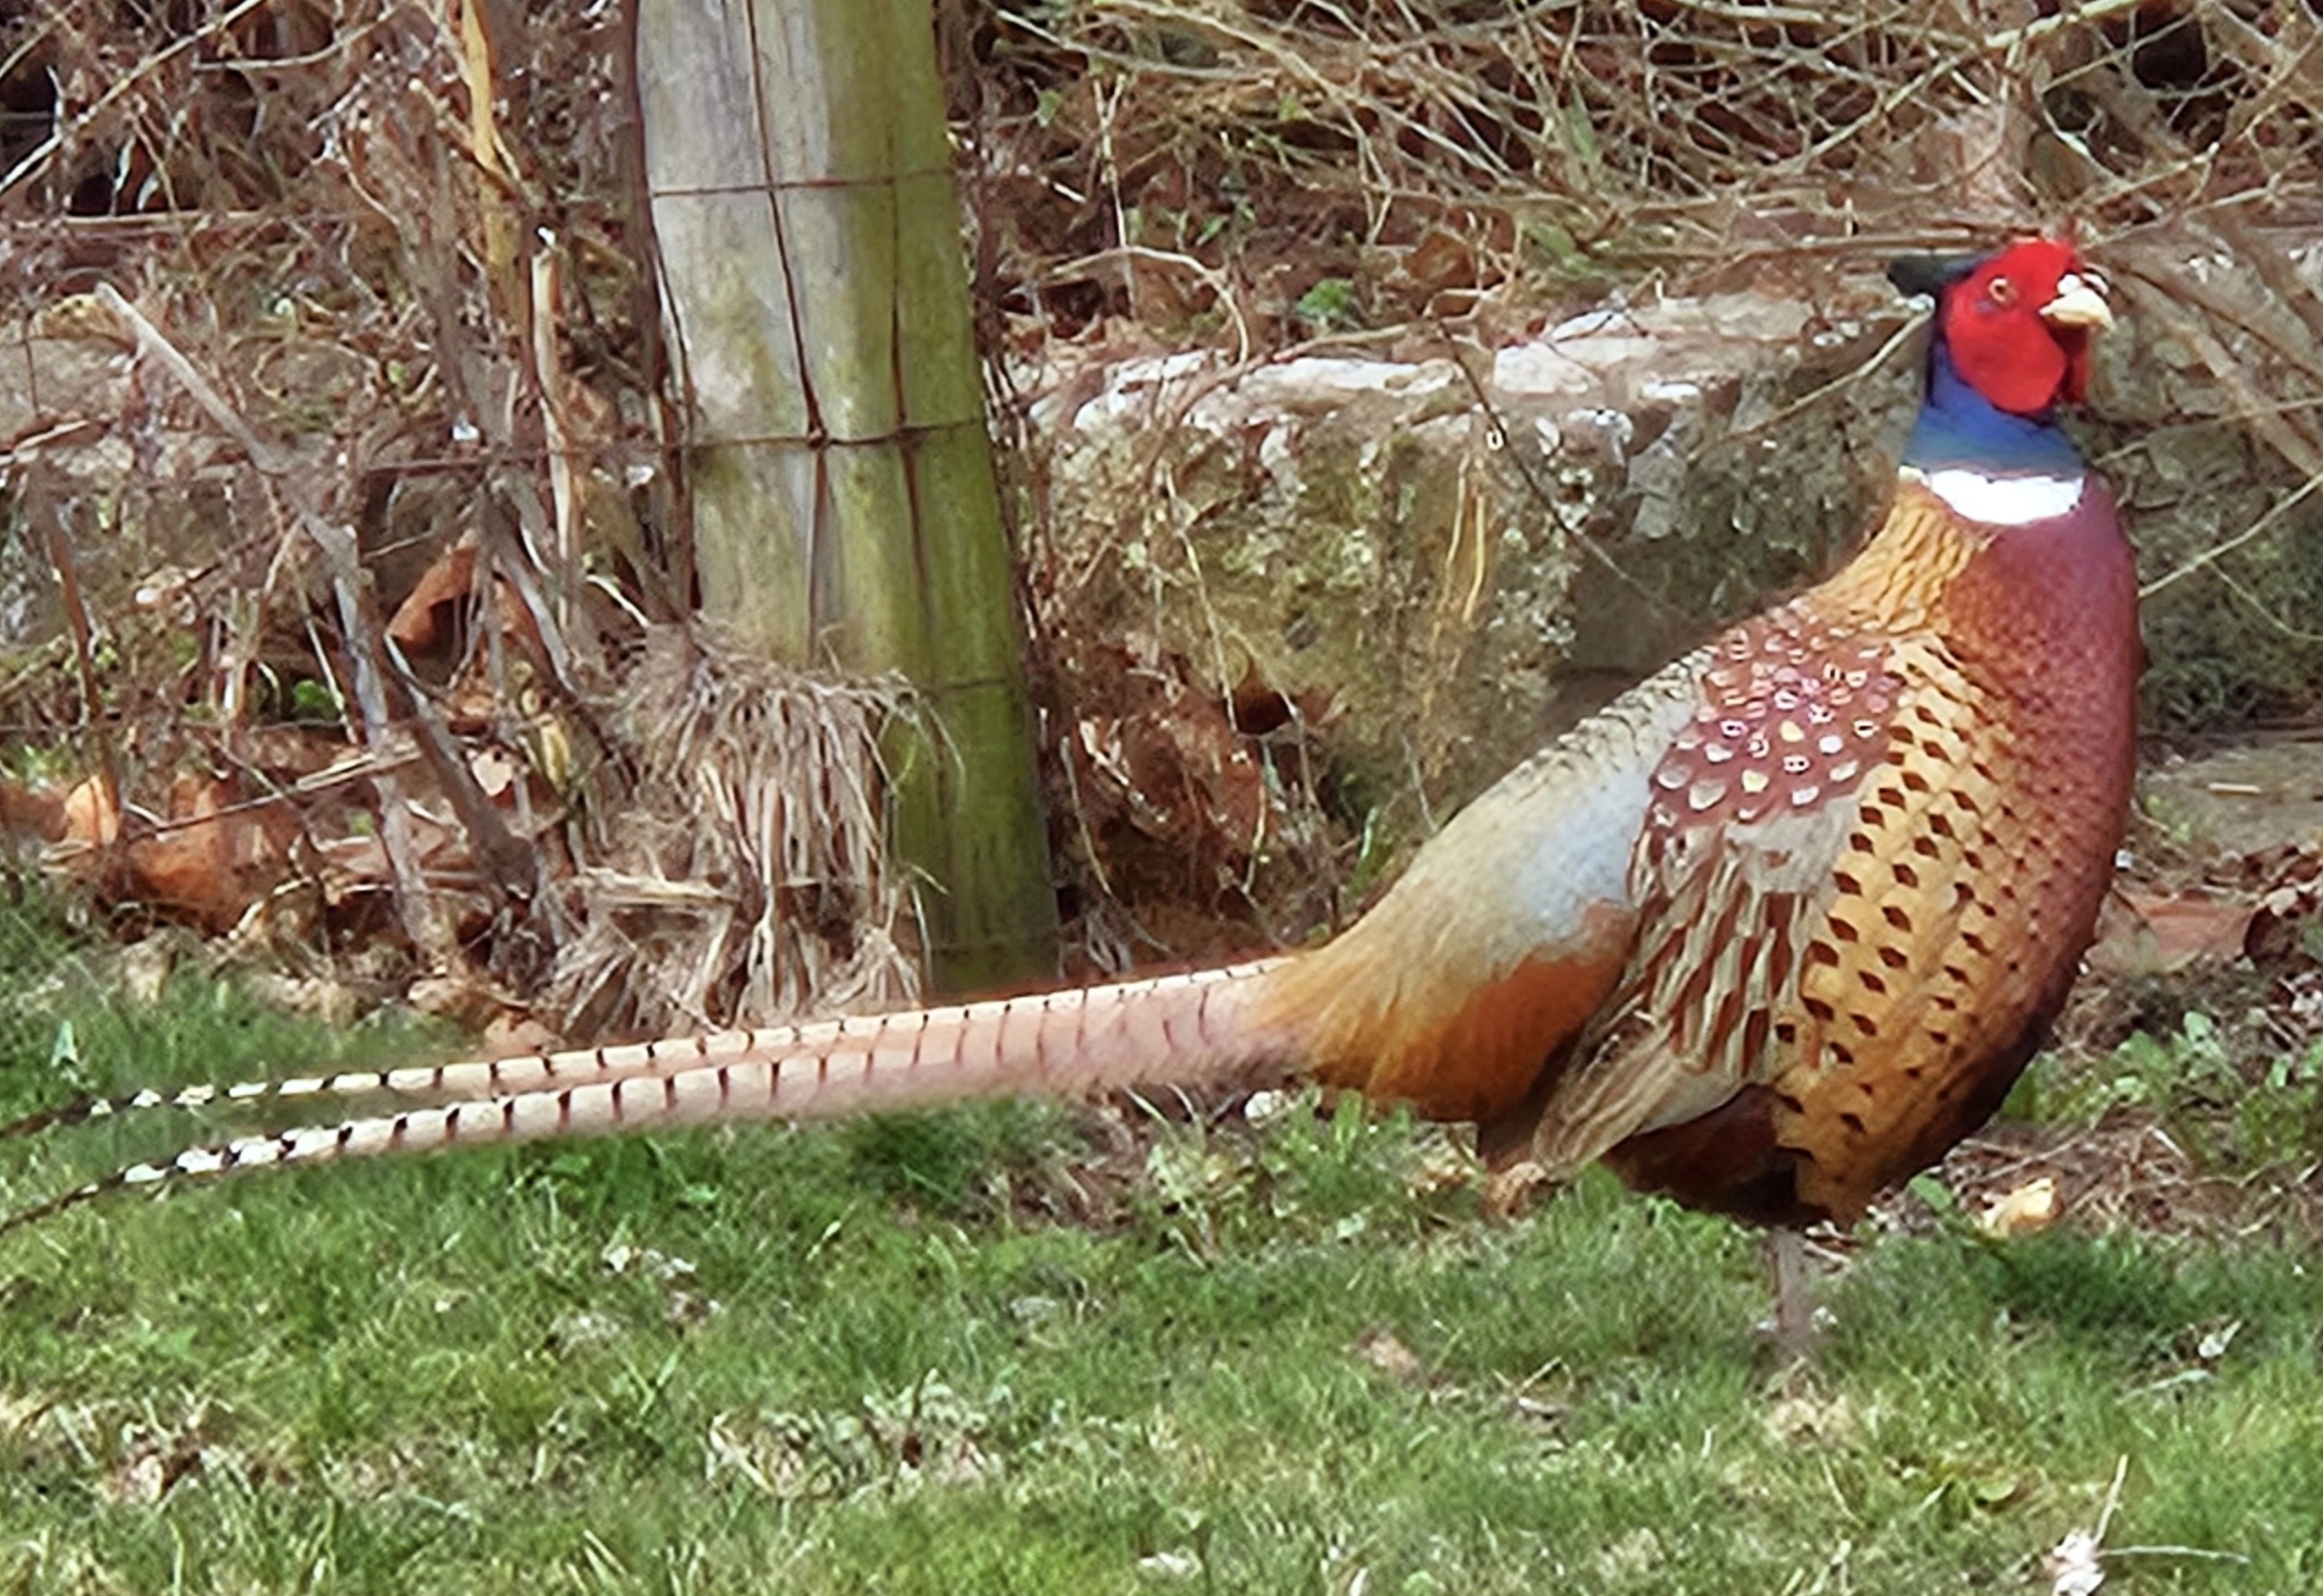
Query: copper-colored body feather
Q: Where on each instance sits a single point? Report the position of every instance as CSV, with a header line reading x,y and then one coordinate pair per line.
x,y
1768,933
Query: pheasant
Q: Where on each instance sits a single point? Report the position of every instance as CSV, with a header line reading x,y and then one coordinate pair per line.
x,y
1768,935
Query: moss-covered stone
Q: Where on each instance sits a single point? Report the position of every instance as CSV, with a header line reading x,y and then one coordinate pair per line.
x,y
1454,580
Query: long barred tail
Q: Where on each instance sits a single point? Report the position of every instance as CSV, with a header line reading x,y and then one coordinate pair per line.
x,y
434,1083
1173,1030
431,1083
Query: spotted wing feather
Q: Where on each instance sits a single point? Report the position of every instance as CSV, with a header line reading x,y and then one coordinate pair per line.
x,y
1753,802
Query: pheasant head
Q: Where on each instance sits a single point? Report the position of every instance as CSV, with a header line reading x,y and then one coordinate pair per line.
x,y
2015,327
2011,343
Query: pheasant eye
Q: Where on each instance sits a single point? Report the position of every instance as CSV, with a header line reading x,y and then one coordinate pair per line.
x,y
2001,291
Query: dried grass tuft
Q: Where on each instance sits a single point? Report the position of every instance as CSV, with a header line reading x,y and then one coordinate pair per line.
x,y
738,874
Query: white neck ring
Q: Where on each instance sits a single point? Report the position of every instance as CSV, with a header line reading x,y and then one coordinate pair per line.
x,y
2002,501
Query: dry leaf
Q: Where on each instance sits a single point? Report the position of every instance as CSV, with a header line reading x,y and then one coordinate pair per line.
x,y
496,773
1391,1358
2162,932
32,813
90,817
1795,1421
2071,1565
416,626
2030,1207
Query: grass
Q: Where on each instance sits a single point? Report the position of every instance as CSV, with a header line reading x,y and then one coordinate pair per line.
x,y
872,1357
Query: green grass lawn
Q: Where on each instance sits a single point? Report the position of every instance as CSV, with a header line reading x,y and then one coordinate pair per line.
x,y
963,1354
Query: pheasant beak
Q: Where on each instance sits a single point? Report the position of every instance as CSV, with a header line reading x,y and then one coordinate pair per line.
x,y
2079,302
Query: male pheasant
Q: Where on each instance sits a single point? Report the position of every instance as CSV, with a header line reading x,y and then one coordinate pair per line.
x,y
1770,933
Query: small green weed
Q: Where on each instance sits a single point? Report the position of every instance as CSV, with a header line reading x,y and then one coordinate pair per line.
x,y
2237,1101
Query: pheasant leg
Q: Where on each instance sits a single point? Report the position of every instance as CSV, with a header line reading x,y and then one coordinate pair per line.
x,y
1794,1295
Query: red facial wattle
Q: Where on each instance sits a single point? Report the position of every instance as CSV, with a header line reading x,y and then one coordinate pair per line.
x,y
1999,342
